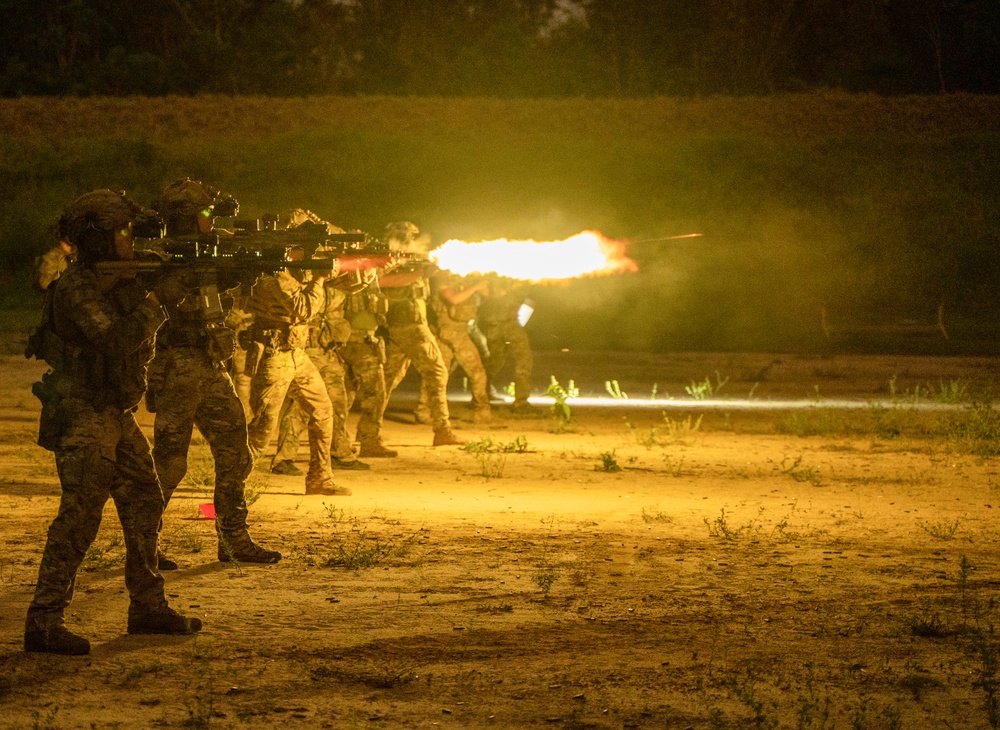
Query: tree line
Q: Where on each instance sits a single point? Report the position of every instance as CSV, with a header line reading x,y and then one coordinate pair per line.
x,y
501,48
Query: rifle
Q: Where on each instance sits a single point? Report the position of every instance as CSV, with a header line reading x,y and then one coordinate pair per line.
x,y
255,247
260,237
204,272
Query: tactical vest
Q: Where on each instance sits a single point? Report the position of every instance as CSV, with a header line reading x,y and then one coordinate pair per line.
x,y
407,304
365,312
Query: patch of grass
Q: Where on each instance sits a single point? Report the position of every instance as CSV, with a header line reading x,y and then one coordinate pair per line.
x,y
131,675
977,430
46,721
705,389
360,550
545,579
110,555
487,445
614,390
677,430
561,397
953,392
608,463
188,539
721,528
674,467
655,515
492,455
256,486
333,513
941,530
491,464
200,473
928,624
644,437
227,549
750,531
813,422
800,473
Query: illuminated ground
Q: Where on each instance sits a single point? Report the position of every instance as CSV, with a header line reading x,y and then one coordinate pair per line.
x,y
730,573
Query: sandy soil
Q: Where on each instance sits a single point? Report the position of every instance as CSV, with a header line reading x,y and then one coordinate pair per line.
x,y
635,568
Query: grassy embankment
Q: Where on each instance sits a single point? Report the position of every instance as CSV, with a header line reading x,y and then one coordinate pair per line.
x,y
880,208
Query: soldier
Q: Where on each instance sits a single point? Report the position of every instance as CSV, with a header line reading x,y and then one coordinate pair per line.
x,y
455,302
282,306
97,338
189,384
328,332
364,360
410,338
506,338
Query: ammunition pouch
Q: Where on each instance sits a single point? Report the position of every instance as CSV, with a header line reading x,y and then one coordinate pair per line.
x,y
221,343
407,311
244,339
332,333
255,352
377,345
51,422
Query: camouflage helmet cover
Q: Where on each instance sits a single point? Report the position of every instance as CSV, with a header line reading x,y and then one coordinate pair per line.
x,y
296,217
187,197
401,232
105,210
299,216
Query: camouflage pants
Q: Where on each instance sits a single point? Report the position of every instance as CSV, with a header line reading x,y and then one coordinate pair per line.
x,y
414,343
237,371
509,340
456,345
363,360
291,373
292,422
101,454
190,391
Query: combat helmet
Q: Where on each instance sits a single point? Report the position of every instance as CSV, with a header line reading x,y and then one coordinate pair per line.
x,y
182,201
405,235
90,222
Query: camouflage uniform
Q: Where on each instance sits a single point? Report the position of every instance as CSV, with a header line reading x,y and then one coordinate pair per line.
x,y
239,321
507,339
411,341
452,333
364,360
281,306
98,339
189,385
328,333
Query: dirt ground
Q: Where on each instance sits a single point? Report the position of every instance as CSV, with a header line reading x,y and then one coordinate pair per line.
x,y
694,565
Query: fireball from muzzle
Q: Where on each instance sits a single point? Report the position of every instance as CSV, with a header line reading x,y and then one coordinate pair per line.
x,y
588,253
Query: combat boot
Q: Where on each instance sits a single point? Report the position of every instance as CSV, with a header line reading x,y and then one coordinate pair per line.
x,y
483,416
162,620
353,465
287,468
240,548
325,486
376,450
164,563
447,437
55,640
